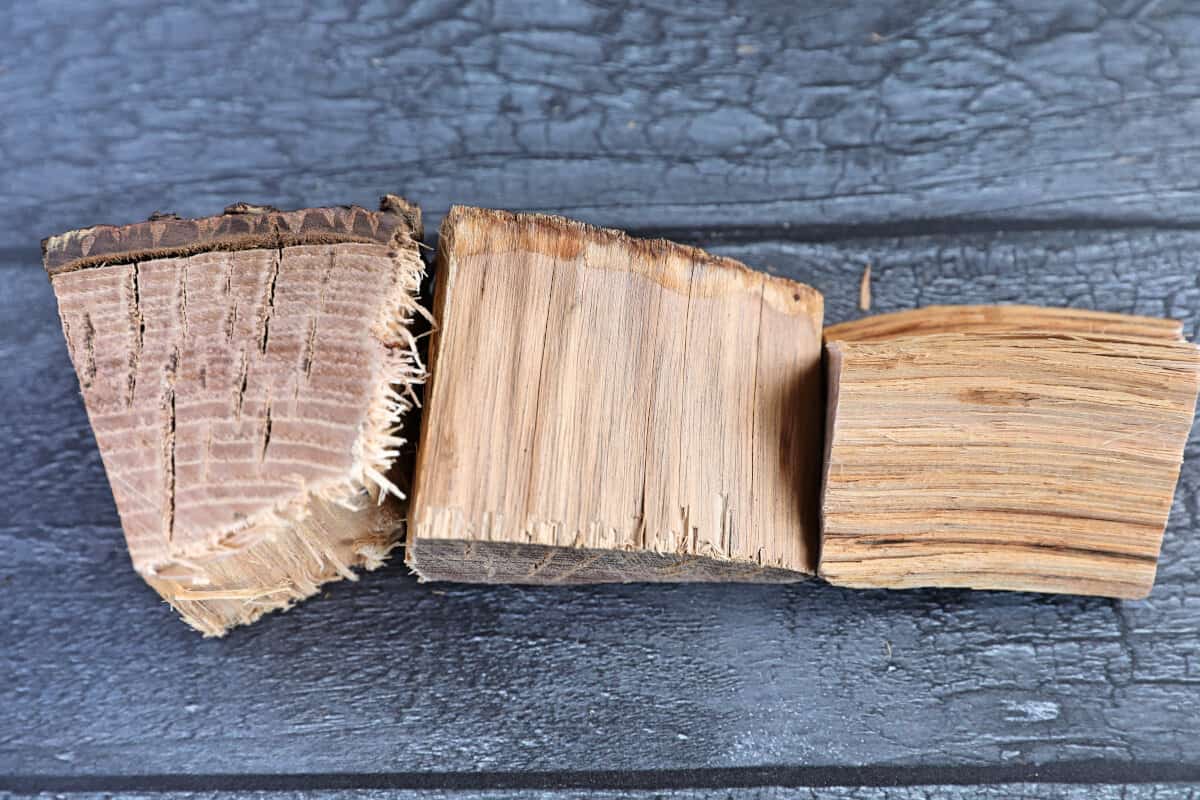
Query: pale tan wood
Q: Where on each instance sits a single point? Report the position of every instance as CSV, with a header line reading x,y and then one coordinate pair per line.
x,y
609,409
245,400
983,453
983,319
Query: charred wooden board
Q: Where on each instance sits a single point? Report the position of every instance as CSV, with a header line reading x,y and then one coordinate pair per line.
x,y
764,784
982,152
636,115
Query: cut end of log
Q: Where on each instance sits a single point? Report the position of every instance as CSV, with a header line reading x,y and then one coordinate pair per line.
x,y
246,377
1003,448
605,408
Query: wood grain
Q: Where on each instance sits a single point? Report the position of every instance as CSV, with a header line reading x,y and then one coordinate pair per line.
x,y
1003,448
592,786
1001,319
242,392
609,409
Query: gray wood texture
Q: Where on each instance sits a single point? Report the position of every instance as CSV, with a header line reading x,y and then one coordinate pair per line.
x,y
635,113
981,151
1003,791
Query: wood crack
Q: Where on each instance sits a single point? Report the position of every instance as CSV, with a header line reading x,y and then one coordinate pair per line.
x,y
239,396
762,299
138,325
269,301
680,546
310,343
168,436
89,352
266,437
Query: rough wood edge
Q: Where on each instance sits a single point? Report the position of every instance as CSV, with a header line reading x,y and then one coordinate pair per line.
x,y
569,236
482,561
241,227
286,557
978,318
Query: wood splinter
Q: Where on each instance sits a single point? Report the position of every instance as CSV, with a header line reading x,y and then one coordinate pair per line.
x,y
245,376
603,408
1003,447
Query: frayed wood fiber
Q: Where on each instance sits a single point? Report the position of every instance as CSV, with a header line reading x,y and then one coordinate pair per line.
x,y
247,377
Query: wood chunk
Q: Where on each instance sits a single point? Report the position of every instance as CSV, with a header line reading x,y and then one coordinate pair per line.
x,y
603,409
244,375
1003,448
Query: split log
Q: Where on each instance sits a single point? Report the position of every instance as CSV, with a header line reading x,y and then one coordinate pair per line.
x,y
244,375
1003,448
608,409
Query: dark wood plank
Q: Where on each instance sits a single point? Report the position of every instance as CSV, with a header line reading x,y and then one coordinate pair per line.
x,y
639,114
1006,791
389,675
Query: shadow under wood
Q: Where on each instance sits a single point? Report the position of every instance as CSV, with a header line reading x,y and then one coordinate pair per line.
x,y
801,447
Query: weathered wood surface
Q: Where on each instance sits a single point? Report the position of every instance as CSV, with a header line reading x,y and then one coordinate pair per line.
x,y
1019,156
634,114
1002,791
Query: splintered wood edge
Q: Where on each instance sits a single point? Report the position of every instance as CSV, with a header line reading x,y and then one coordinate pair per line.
x,y
241,227
287,561
982,318
280,542
282,554
563,238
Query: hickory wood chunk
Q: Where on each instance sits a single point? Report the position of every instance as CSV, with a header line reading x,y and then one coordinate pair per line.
x,y
1004,447
245,375
603,409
